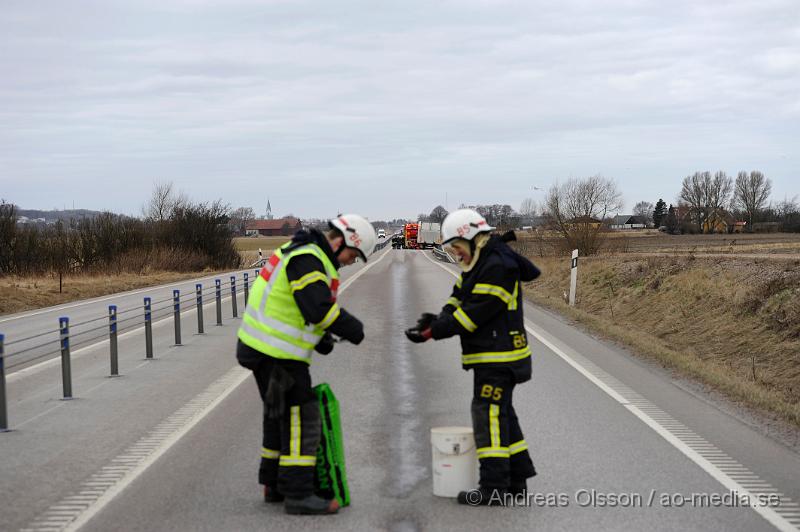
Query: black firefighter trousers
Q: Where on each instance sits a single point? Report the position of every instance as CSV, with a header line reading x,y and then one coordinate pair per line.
x,y
502,450
290,442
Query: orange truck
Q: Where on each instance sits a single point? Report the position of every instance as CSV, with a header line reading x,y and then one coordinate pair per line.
x,y
410,232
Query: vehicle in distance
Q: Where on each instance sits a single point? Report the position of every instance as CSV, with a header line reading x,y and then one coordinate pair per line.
x,y
428,235
410,235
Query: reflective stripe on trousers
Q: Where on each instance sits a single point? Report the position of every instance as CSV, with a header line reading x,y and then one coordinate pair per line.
x,y
270,454
294,457
495,450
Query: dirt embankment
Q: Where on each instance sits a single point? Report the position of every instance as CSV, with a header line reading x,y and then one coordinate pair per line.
x,y
732,323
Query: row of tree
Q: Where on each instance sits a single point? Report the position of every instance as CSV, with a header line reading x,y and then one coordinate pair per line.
x,y
500,216
708,195
174,234
578,207
705,198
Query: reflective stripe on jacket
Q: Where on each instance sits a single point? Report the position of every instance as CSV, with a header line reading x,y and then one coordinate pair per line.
x,y
485,310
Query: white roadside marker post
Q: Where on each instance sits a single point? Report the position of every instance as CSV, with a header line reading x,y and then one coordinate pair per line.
x,y
573,282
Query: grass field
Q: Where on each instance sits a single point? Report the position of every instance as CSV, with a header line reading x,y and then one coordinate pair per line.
x,y
249,243
248,246
25,293
549,243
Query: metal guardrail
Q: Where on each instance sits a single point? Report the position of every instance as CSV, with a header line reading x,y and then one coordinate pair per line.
x,y
442,255
111,326
381,245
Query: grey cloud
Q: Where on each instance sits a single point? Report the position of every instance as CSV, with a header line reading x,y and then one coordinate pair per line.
x,y
307,93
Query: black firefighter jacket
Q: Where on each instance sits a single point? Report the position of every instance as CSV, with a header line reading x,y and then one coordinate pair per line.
x,y
485,310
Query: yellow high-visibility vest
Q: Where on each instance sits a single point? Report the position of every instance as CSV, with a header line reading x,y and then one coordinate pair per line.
x,y
272,322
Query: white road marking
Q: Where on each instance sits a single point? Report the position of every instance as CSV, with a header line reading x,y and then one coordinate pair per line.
x,y
645,411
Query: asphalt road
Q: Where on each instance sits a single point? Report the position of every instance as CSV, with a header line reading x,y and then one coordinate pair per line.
x,y
174,443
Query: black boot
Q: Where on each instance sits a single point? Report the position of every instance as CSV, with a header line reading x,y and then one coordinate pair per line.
x,y
483,497
518,487
272,495
311,505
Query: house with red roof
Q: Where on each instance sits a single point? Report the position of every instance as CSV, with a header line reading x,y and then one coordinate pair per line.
x,y
278,227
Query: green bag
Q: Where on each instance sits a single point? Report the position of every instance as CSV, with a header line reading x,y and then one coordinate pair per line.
x,y
330,475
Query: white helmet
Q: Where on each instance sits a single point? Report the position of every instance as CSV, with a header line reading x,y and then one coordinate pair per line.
x,y
358,233
463,223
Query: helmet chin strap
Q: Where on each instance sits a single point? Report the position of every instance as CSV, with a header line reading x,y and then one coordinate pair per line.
x,y
339,250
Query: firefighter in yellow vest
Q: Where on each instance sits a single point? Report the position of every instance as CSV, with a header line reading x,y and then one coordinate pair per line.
x,y
485,310
292,312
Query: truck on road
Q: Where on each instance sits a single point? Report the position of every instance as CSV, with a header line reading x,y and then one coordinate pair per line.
x,y
410,236
428,235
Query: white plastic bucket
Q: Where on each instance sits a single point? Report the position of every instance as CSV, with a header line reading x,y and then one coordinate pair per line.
x,y
455,463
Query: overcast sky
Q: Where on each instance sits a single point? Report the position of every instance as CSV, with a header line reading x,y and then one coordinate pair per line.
x,y
390,108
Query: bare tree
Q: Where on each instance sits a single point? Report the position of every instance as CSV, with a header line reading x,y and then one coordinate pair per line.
x,y
508,219
750,194
164,201
578,208
528,208
240,218
671,221
787,206
706,195
644,211
8,236
720,192
438,214
788,212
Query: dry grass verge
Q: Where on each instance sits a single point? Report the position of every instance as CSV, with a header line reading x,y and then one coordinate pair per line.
x,y
21,293
18,294
731,323
250,243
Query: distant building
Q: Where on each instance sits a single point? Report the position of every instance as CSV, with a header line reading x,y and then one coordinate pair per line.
x,y
587,221
719,221
627,221
279,227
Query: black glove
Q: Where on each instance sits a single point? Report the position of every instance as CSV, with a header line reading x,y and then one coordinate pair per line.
x,y
425,321
356,338
418,336
325,344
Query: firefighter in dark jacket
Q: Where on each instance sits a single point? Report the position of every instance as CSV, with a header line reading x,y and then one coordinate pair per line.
x,y
485,310
291,312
